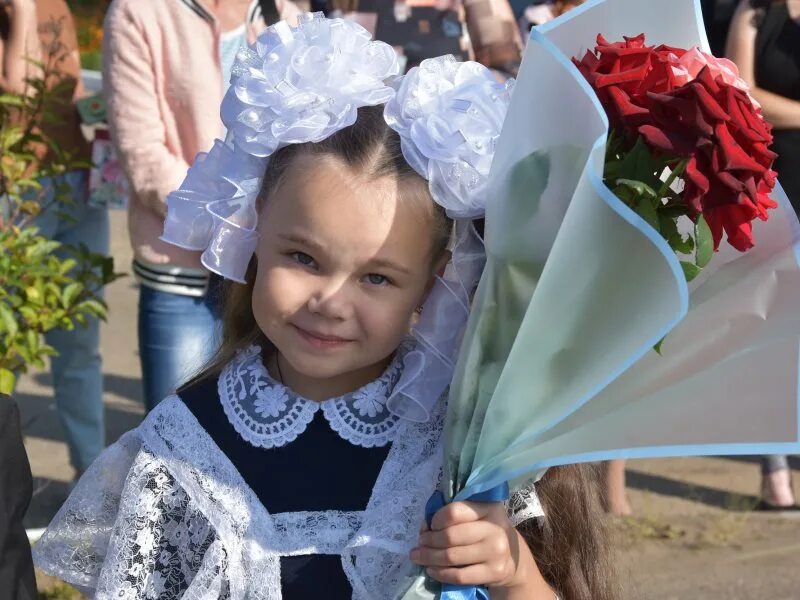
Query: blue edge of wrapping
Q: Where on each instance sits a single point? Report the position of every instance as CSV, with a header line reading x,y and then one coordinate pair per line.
x,y
493,480
495,487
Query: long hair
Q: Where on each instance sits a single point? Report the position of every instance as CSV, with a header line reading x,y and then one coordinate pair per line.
x,y
571,542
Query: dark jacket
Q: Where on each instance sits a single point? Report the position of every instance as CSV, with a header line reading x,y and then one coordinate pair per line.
x,y
17,580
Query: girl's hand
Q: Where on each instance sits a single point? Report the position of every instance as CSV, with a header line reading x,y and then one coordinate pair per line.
x,y
474,543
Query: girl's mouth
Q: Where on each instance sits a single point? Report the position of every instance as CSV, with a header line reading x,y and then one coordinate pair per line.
x,y
321,340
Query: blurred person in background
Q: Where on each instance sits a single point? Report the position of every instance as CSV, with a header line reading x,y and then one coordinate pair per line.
x,y
45,30
717,15
537,14
764,42
481,30
166,66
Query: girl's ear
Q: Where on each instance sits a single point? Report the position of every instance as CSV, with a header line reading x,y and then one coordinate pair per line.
x,y
438,271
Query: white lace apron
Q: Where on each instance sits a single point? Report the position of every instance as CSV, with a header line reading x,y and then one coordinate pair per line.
x,y
163,513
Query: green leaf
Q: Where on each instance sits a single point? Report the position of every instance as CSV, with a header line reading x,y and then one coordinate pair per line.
x,y
683,245
29,314
669,229
705,242
7,381
32,339
639,187
93,307
66,266
11,136
71,292
15,301
638,164
658,346
690,270
11,100
34,295
8,321
647,211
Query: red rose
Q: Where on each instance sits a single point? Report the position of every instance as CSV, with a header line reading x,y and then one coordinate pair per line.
x,y
715,125
709,121
622,70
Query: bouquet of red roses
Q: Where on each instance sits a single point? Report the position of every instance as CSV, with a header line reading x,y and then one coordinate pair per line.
x,y
595,203
686,141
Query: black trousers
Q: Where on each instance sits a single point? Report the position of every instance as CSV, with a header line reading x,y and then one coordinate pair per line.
x,y
17,581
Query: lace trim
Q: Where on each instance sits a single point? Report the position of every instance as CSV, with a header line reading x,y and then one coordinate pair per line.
x,y
524,505
323,532
375,556
165,514
269,415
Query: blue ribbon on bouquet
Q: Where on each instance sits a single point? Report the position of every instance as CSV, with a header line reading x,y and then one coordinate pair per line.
x,y
435,503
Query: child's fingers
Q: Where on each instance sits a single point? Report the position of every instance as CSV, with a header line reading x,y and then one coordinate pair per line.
x,y
456,556
460,512
471,575
457,535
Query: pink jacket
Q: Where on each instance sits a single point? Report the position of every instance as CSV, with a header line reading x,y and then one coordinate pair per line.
x,y
163,85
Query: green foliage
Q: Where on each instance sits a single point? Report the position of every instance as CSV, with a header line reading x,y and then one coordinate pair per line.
x,y
44,285
646,183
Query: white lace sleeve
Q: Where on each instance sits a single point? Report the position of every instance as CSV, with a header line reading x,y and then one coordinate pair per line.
x,y
129,531
74,546
524,505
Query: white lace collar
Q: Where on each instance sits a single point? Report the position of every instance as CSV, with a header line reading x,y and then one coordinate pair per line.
x,y
269,415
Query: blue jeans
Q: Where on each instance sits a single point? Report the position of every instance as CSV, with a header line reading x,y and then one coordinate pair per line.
x,y
177,335
77,370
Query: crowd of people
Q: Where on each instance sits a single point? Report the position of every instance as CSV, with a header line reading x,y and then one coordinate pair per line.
x,y
166,68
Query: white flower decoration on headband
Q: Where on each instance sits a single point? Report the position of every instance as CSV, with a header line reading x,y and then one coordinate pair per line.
x,y
304,84
449,116
293,85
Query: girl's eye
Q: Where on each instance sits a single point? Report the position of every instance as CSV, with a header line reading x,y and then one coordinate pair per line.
x,y
376,279
302,258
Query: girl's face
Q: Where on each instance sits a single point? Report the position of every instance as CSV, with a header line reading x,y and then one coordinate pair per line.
x,y
342,264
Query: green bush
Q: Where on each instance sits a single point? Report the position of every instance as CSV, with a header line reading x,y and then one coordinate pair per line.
x,y
43,284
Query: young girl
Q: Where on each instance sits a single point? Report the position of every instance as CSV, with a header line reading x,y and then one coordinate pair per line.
x,y
298,463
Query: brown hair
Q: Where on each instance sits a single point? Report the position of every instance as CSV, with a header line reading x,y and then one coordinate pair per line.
x,y
571,543
368,147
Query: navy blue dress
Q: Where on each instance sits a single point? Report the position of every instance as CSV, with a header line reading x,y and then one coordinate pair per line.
x,y
290,478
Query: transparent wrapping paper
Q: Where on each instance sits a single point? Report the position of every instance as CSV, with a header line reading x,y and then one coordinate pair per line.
x,y
557,364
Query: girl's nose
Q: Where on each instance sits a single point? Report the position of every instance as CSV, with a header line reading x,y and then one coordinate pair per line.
x,y
332,301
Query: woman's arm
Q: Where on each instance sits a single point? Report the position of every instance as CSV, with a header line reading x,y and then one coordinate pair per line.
x,y
22,44
781,112
131,95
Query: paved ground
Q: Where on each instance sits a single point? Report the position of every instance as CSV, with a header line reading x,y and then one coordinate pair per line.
x,y
693,537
